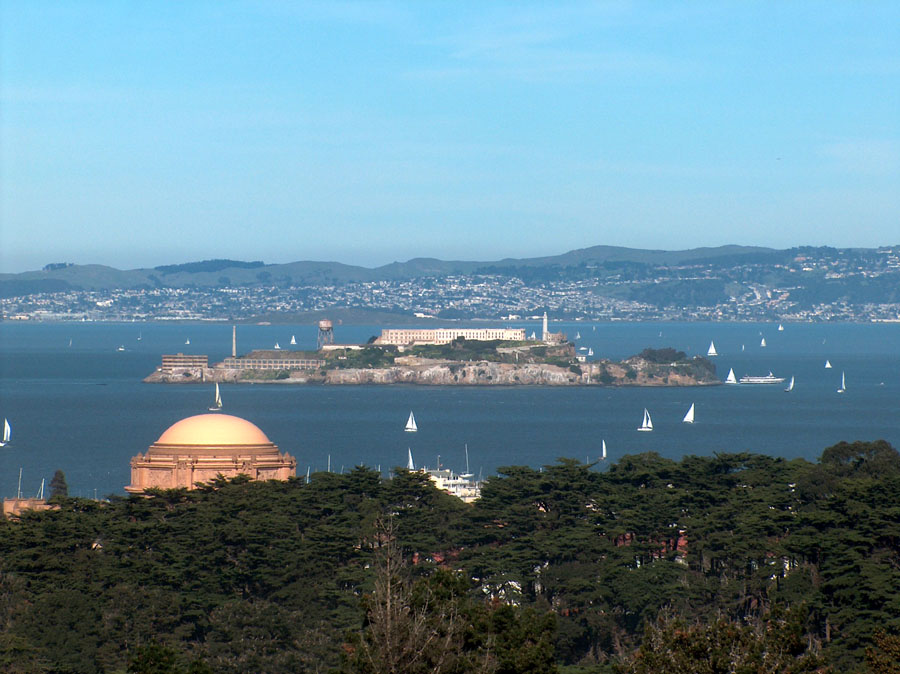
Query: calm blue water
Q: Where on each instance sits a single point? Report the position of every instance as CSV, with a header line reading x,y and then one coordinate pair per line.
x,y
83,409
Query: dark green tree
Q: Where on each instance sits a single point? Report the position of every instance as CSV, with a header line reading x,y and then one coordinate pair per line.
x,y
58,487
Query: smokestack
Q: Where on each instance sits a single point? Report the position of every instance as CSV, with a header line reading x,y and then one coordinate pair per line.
x,y
234,341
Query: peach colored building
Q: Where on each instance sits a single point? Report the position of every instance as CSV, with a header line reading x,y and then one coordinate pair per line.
x,y
200,448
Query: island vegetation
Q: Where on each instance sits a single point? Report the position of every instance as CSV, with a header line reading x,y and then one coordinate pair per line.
x,y
734,562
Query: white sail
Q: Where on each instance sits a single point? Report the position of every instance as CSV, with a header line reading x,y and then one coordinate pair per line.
x,y
590,351
217,403
532,336
762,342
843,384
780,328
293,340
731,379
577,335
742,347
7,433
689,416
277,346
711,351
647,424
827,364
187,341
790,386
603,450
411,424
409,461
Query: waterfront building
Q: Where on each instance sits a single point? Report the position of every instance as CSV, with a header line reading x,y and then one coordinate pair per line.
x,y
203,447
172,363
273,360
408,336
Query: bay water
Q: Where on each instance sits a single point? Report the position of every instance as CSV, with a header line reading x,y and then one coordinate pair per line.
x,y
77,403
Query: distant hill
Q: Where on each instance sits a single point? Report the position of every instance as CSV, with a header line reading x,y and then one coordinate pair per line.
x,y
214,273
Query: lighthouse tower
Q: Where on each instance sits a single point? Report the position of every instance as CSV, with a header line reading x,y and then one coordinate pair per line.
x,y
545,333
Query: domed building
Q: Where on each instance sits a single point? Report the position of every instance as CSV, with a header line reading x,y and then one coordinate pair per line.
x,y
200,448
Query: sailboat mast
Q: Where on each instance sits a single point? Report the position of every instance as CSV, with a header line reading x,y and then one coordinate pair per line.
x,y
19,489
467,458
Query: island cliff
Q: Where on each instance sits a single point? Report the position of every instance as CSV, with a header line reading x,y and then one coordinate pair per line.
x,y
499,366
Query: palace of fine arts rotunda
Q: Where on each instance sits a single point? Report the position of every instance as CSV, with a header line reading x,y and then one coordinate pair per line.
x,y
202,447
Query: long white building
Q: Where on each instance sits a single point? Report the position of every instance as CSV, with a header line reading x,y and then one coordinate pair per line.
x,y
405,336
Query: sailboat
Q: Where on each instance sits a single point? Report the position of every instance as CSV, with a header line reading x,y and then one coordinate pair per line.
x,y
293,340
577,335
762,342
7,433
790,386
711,351
689,417
217,404
411,424
409,461
532,336
780,328
591,351
647,423
603,450
742,347
187,342
277,346
731,379
843,387
827,364
70,341
140,336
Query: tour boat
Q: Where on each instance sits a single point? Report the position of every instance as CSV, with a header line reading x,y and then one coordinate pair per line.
x,y
731,379
647,423
7,433
827,364
711,351
764,379
411,424
843,387
689,417
790,386
217,404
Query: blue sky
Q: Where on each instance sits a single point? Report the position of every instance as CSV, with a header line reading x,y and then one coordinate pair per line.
x,y
144,133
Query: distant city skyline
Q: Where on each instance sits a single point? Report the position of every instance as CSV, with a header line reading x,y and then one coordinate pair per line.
x,y
137,135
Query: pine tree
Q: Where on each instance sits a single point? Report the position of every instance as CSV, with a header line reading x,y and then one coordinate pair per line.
x,y
58,486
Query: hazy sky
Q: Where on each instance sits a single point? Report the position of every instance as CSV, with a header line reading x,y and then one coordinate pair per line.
x,y
145,133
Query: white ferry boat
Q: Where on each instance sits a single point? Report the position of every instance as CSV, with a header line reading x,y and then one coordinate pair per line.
x,y
765,379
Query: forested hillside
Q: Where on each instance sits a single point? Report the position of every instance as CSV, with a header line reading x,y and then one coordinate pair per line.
x,y
730,563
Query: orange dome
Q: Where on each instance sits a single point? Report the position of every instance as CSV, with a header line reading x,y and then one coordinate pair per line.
x,y
213,430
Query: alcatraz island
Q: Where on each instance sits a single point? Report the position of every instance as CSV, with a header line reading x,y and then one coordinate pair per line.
x,y
441,357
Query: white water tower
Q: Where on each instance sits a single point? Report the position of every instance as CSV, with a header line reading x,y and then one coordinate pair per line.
x,y
326,333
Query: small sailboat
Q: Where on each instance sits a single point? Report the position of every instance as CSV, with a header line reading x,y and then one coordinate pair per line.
x,y
187,342
647,423
293,340
731,379
532,336
742,347
7,433
140,336
711,351
277,346
790,386
843,387
409,461
762,342
411,424
827,364
780,328
591,351
217,403
603,450
689,416
577,335
70,341
121,347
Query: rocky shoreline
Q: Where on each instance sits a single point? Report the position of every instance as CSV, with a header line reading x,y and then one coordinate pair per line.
x,y
429,372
